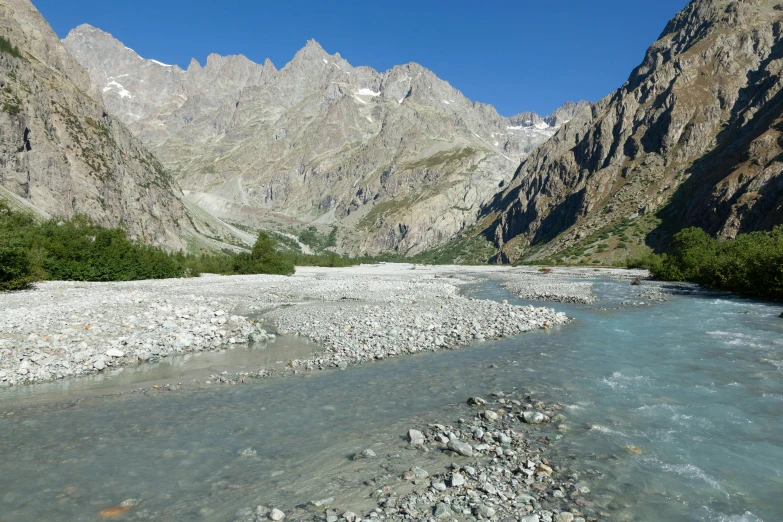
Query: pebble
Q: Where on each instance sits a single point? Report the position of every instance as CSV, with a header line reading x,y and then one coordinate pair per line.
x,y
484,511
276,515
415,437
461,448
490,415
533,417
368,454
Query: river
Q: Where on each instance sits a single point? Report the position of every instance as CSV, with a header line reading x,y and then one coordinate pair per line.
x,y
675,412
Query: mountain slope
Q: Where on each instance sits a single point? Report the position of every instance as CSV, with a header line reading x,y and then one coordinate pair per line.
x,y
694,136
61,153
398,160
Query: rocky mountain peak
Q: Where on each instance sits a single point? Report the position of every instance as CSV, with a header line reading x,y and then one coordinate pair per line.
x,y
694,137
325,142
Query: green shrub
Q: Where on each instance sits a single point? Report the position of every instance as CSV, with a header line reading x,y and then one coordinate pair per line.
x,y
750,265
316,241
263,259
6,47
16,271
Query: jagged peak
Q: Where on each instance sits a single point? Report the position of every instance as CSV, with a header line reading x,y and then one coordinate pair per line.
x,y
269,66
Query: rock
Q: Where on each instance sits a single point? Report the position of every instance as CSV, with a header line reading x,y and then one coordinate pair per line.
x,y
439,486
415,437
529,518
461,448
564,517
490,415
322,502
442,511
367,454
484,511
543,468
99,365
130,502
476,401
247,452
781,316
524,498
114,352
457,480
350,516
419,473
533,417
276,515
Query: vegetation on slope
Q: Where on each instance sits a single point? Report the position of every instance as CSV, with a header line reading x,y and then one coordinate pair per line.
x,y
6,47
79,250
750,265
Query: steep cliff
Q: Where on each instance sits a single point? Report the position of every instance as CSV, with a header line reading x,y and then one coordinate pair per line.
x,y
62,153
694,138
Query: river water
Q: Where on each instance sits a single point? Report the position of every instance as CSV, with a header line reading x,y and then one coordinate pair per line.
x,y
676,412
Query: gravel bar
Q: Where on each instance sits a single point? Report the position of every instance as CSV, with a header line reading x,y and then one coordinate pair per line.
x,y
63,329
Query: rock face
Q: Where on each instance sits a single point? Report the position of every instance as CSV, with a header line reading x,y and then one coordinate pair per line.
x,y
694,134
398,160
62,153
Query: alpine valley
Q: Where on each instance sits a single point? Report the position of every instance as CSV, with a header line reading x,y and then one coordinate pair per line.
x,y
399,161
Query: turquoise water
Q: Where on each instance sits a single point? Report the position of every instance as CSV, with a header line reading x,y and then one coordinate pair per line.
x,y
677,407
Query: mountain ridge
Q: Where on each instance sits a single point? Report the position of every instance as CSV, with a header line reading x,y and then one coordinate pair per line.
x,y
398,160
692,139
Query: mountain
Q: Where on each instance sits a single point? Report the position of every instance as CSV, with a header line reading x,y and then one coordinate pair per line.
x,y
62,153
398,160
693,138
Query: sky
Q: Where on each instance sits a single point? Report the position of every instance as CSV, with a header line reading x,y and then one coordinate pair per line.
x,y
518,55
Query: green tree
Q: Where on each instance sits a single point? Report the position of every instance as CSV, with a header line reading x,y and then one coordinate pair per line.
x,y
264,258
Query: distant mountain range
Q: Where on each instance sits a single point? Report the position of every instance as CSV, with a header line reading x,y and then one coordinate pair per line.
x,y
396,161
399,160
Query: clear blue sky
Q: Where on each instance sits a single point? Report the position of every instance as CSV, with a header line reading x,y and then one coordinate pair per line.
x,y
518,55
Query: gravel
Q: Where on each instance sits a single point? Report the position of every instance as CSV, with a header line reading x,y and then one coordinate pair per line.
x,y
507,476
357,314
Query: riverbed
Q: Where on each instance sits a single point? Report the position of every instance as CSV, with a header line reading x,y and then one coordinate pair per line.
x,y
674,412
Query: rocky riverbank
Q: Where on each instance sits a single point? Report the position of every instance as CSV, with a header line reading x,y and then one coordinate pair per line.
x,y
492,464
64,329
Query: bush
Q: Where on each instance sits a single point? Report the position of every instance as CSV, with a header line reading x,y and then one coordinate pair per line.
x,y
78,250
263,259
6,47
16,271
750,265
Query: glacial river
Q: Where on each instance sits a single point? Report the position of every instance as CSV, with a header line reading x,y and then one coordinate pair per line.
x,y
675,413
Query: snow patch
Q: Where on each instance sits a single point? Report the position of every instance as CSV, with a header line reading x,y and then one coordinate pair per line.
x,y
359,100
444,101
368,92
161,63
122,91
541,126
369,119
325,60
